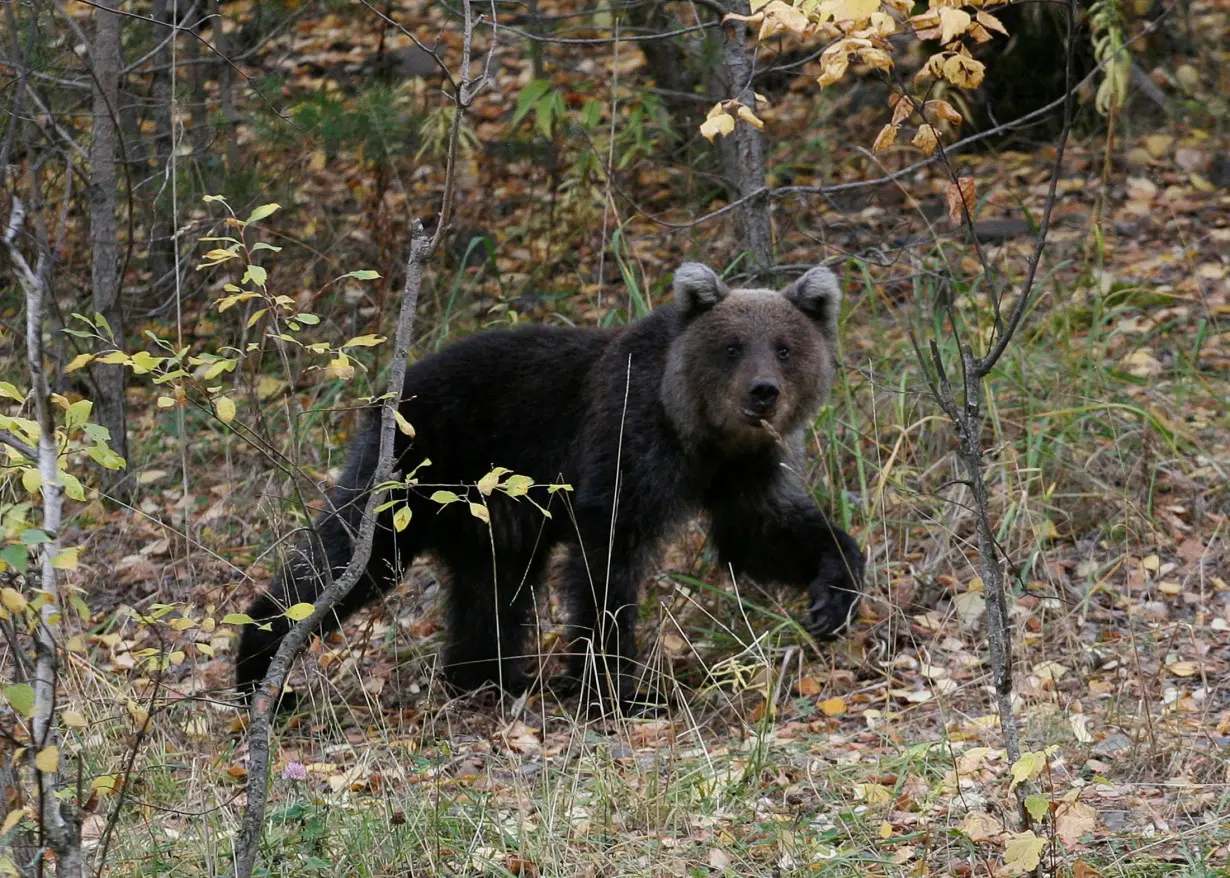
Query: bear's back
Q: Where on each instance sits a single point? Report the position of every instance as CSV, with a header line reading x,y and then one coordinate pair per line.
x,y
506,397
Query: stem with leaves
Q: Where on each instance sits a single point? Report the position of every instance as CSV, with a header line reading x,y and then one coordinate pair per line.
x,y
265,699
59,827
965,412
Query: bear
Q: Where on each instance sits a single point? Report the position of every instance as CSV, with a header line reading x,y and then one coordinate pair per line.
x,y
698,408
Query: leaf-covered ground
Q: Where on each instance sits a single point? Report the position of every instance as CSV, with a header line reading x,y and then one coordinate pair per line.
x,y
1109,451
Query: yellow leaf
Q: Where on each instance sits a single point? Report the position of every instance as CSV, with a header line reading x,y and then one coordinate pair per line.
x,y
13,600
48,759
73,719
883,24
877,59
183,623
364,341
833,706
886,138
77,362
11,819
783,16
31,479
299,612
832,69
1183,668
1030,765
854,10
340,367
480,512
66,559
144,362
749,117
139,715
263,211
165,402
925,139
403,424
401,519
225,408
105,784
963,71
953,23
945,111
718,123
990,22
1023,853
962,198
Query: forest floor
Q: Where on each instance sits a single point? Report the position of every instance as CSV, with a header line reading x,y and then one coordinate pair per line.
x,y
1108,437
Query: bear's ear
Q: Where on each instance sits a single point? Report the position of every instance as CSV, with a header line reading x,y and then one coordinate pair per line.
x,y
818,295
698,288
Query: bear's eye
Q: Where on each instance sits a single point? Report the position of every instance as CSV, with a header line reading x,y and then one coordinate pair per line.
x,y
733,350
783,353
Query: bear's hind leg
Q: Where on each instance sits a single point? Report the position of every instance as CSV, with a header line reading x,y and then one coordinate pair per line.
x,y
490,618
602,602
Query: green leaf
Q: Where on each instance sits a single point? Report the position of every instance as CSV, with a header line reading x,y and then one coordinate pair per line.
x,y
362,274
11,392
257,275
445,497
401,519
263,211
299,611
237,619
21,697
31,479
33,536
78,413
261,245
1030,765
364,341
105,457
17,557
489,482
517,486
1037,805
402,424
72,487
480,512
529,96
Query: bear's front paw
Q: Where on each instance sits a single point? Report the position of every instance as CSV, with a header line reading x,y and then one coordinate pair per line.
x,y
835,592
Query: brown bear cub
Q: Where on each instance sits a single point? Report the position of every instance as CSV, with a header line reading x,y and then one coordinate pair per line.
x,y
700,407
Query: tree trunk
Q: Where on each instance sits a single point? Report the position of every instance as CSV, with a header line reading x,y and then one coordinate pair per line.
x,y
104,235
161,251
742,153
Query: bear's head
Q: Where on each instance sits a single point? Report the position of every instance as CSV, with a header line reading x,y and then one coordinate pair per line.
x,y
747,359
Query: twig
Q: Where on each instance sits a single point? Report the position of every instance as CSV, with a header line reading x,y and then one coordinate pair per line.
x,y
13,442
265,698
966,416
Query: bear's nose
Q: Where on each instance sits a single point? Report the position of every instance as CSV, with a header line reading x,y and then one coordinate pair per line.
x,y
764,394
